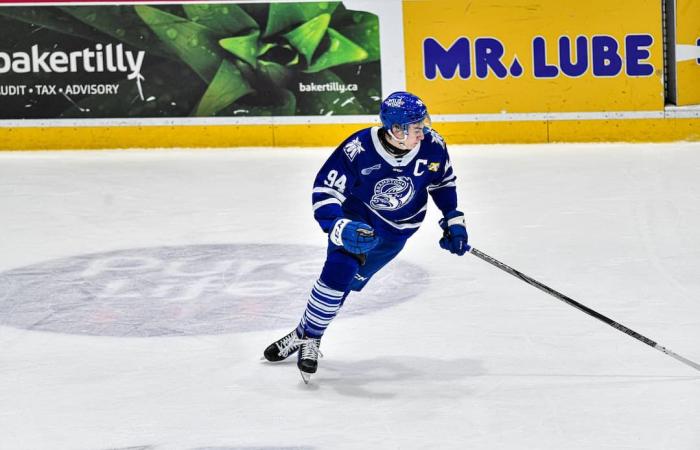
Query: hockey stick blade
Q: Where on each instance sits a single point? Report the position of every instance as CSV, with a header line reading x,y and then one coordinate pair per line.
x,y
618,326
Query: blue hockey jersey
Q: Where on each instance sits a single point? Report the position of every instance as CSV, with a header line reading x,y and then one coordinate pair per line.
x,y
362,181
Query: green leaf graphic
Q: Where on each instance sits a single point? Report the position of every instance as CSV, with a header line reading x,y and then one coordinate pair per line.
x,y
195,44
162,97
246,70
341,51
363,30
283,16
265,47
227,86
244,47
258,11
122,23
53,19
227,19
273,73
307,36
280,53
221,58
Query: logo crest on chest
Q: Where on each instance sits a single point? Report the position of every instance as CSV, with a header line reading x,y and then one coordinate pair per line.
x,y
391,194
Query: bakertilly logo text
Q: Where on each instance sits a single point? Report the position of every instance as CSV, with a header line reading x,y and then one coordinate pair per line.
x,y
101,58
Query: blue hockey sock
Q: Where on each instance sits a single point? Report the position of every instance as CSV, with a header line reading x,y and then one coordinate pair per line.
x,y
321,308
328,294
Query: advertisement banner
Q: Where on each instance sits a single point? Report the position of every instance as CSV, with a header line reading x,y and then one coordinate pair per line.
x,y
687,52
188,60
516,56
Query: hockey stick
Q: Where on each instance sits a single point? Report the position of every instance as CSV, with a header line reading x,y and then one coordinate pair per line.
x,y
581,307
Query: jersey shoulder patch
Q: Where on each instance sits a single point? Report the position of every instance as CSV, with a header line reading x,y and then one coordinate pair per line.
x,y
437,139
353,148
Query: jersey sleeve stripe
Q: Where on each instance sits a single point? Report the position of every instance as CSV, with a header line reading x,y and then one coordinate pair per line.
x,y
330,201
444,182
329,191
433,187
452,177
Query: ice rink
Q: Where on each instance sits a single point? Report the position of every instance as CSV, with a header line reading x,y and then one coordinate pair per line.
x,y
138,290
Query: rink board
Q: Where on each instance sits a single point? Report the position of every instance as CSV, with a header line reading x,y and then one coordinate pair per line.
x,y
329,135
688,52
623,102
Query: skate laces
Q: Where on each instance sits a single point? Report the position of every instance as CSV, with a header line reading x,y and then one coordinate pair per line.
x,y
288,344
309,349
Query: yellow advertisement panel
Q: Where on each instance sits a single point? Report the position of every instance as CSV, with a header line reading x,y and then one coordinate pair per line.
x,y
688,52
520,56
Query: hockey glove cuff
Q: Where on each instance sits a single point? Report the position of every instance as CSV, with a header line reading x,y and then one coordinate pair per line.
x,y
355,237
454,237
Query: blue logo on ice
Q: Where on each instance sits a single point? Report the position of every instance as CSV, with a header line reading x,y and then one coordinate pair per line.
x,y
180,291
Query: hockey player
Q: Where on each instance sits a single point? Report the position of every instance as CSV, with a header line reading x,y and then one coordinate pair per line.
x,y
370,196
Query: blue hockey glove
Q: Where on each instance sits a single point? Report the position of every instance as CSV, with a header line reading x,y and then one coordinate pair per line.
x,y
454,237
355,237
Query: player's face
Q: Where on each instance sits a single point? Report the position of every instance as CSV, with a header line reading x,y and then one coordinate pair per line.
x,y
413,136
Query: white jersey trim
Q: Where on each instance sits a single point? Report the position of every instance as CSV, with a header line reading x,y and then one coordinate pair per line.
x,y
423,209
329,191
459,220
444,182
450,178
399,226
433,187
326,202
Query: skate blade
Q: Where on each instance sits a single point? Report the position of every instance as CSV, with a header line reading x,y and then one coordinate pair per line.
x,y
305,376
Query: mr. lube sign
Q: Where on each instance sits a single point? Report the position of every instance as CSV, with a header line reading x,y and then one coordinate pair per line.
x,y
599,55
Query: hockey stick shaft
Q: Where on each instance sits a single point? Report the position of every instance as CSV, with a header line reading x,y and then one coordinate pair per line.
x,y
581,307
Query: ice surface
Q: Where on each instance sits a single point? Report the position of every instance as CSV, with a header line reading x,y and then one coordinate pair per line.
x,y
472,358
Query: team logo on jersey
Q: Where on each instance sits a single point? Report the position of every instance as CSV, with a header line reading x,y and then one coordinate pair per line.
x,y
353,148
434,166
368,170
391,194
437,138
